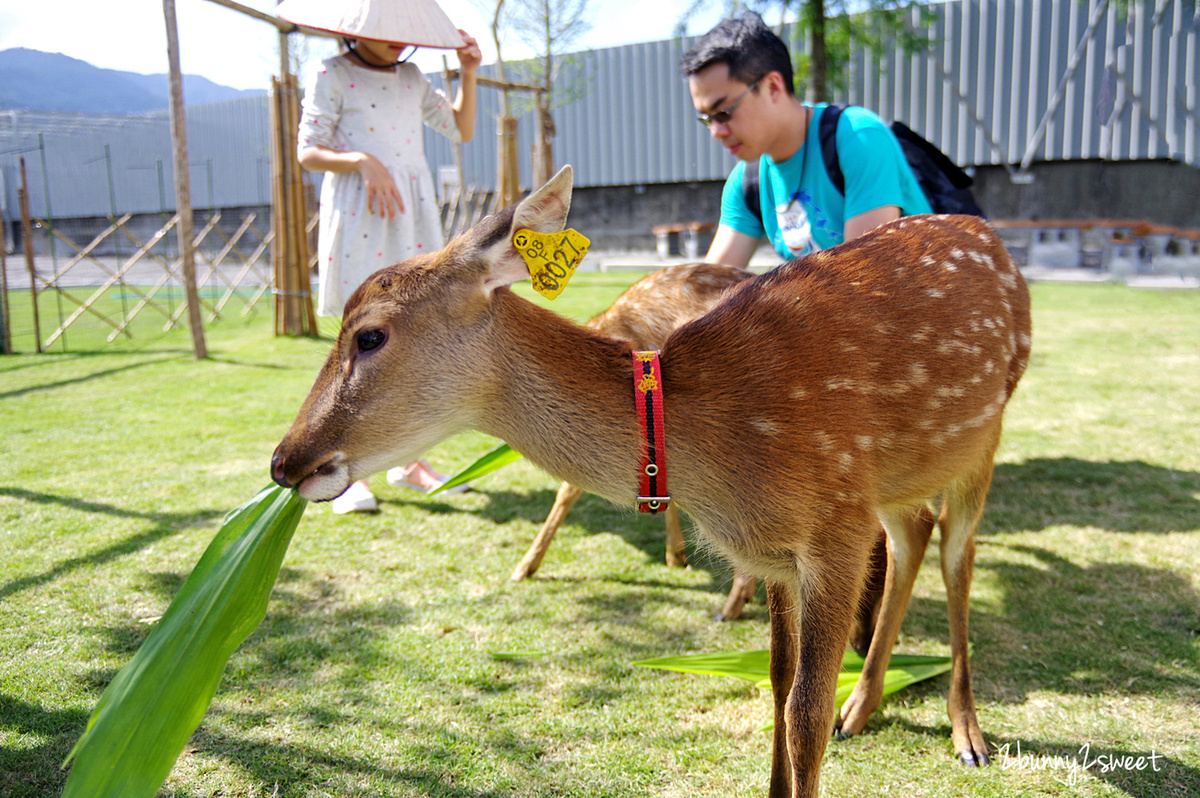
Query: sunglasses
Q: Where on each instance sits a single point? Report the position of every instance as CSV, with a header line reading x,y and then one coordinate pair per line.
x,y
724,116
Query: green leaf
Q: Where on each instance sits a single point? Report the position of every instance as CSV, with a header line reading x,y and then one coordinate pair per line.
x,y
507,655
754,666
491,461
148,712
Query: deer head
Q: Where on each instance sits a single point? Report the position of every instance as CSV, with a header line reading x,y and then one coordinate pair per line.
x,y
410,366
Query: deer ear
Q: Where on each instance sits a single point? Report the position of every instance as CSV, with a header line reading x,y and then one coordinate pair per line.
x,y
543,211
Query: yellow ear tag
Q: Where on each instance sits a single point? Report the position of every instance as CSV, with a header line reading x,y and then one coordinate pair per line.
x,y
551,258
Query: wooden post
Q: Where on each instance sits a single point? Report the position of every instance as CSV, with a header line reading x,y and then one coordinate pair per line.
x,y
27,235
508,181
6,344
294,314
543,147
183,182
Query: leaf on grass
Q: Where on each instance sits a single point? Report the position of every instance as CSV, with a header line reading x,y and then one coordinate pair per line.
x,y
505,655
491,461
754,666
154,703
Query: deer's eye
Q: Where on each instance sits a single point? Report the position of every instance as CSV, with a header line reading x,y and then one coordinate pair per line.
x,y
369,339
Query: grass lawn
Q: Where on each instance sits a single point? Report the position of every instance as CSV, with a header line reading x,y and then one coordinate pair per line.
x,y
383,666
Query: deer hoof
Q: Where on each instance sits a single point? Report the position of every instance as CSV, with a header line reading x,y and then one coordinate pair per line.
x,y
974,759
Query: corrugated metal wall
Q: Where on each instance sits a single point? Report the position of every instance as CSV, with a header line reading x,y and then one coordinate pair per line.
x,y
1013,81
228,151
1005,82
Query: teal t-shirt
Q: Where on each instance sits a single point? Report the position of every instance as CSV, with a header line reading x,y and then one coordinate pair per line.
x,y
802,210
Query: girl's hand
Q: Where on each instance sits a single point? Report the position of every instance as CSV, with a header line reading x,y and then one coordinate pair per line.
x,y
469,55
380,186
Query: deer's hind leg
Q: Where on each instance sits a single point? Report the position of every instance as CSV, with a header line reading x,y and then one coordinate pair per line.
x,y
908,531
962,509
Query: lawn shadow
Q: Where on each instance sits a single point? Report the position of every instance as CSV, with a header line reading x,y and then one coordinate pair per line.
x,y
317,643
591,515
1122,496
164,525
75,381
1113,628
1134,772
32,771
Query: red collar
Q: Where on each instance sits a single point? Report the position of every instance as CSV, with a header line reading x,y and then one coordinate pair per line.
x,y
652,466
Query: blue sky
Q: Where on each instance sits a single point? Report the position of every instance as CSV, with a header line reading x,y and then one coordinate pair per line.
x,y
234,50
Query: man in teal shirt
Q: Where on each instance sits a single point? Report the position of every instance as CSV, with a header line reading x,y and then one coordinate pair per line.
x,y
740,79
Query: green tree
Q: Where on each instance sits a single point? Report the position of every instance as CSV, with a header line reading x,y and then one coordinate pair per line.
x,y
833,29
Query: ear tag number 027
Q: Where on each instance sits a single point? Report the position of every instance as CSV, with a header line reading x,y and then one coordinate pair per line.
x,y
551,257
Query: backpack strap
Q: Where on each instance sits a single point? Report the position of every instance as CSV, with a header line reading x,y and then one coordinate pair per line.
x,y
750,193
827,135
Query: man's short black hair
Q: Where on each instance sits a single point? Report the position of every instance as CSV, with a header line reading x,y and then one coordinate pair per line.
x,y
744,44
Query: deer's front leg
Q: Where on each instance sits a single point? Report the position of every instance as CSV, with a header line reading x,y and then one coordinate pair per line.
x,y
568,494
781,603
676,545
829,596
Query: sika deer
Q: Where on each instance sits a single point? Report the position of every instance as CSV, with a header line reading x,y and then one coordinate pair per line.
x,y
842,390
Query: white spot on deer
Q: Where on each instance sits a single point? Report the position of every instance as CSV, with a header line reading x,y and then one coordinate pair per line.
x,y
917,374
935,293
957,254
845,461
864,442
847,384
921,334
951,347
824,441
765,426
950,267
800,392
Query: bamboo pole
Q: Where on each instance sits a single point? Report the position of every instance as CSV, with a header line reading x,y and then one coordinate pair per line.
x,y
299,215
283,212
27,236
6,344
183,182
508,180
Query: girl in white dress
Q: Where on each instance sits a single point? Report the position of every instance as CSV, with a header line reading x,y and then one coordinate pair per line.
x,y
362,125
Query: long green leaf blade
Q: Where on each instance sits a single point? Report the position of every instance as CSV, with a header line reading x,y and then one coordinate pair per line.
x,y
148,712
492,460
754,666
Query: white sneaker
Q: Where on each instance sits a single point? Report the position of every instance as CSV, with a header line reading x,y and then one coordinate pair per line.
x,y
356,499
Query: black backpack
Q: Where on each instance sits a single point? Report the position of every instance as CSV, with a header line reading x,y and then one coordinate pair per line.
x,y
946,186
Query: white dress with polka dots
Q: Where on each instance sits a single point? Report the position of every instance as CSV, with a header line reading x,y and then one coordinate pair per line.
x,y
351,108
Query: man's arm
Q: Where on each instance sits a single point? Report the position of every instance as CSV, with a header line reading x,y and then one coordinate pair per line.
x,y
731,248
868,221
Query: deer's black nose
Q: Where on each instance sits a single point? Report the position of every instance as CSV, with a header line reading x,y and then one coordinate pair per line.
x,y
277,472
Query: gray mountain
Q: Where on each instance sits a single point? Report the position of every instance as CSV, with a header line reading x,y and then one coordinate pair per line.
x,y
39,81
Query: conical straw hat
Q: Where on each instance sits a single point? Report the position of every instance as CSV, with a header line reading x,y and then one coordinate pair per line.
x,y
417,22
